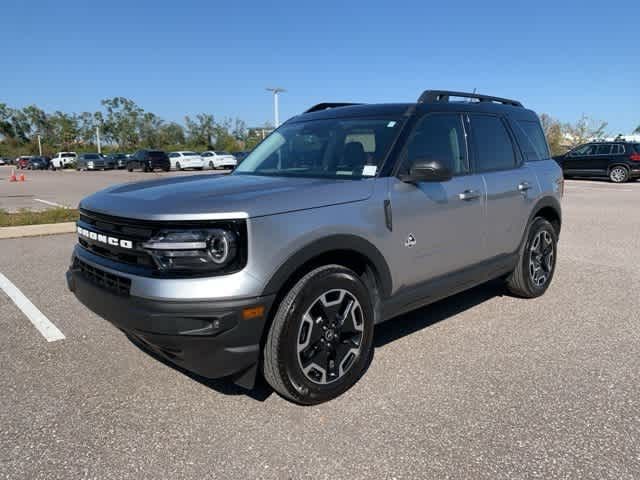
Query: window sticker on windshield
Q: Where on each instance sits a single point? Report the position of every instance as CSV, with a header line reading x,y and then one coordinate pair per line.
x,y
369,170
391,124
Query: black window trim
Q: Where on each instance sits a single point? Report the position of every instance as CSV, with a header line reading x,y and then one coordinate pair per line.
x,y
515,123
402,157
517,156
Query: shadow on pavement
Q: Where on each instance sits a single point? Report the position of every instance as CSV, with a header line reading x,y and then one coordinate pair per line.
x,y
384,333
424,317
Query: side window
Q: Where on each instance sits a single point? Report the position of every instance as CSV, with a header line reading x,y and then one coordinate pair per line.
x,y
439,137
603,150
582,151
531,139
617,149
493,145
173,155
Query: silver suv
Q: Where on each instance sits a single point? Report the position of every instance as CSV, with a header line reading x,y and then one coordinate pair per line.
x,y
345,217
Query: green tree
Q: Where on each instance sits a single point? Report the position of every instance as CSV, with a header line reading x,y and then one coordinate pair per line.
x,y
121,124
637,130
65,130
584,130
171,135
201,130
553,131
149,125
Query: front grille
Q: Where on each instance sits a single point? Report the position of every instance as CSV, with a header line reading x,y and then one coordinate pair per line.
x,y
114,283
140,231
119,228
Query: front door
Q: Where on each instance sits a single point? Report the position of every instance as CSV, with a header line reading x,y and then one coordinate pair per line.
x,y
578,161
438,227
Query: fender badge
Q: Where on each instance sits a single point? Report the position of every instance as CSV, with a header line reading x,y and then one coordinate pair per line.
x,y
410,241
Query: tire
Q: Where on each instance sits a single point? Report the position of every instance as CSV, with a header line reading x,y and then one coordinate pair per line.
x,y
211,166
349,343
537,263
178,167
619,174
129,168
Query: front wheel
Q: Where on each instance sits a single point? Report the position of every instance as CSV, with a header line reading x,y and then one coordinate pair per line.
x,y
619,175
321,339
537,261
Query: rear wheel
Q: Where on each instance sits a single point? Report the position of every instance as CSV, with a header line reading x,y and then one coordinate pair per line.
x,y
321,338
619,174
537,261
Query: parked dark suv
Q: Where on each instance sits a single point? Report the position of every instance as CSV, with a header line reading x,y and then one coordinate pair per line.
x,y
344,217
148,161
619,161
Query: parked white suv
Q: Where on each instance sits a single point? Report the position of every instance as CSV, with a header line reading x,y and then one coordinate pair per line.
x,y
182,160
216,160
63,159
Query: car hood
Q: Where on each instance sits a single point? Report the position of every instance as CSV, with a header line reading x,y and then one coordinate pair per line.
x,y
202,197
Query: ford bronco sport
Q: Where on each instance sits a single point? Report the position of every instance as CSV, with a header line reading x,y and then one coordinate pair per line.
x,y
346,216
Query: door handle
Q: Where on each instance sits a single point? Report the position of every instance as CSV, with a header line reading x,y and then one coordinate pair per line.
x,y
524,186
469,195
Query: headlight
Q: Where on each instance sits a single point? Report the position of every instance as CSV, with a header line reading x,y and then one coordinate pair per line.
x,y
193,250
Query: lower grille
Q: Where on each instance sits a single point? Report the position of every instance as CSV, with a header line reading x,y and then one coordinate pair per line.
x,y
114,283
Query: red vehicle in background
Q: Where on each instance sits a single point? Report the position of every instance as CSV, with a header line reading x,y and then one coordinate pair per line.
x,y
23,161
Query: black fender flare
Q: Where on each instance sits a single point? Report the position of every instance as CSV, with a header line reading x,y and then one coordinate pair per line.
x,y
328,244
545,202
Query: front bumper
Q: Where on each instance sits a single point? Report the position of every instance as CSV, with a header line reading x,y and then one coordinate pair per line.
x,y
210,338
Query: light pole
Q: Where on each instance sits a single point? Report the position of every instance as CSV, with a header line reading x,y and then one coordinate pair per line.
x,y
98,138
276,91
39,146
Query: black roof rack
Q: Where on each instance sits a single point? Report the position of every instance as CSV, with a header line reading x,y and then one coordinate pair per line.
x,y
437,96
325,106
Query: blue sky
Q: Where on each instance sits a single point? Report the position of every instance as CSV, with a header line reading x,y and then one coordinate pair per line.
x,y
565,58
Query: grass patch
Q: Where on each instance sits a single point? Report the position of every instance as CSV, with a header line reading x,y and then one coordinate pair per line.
x,y
27,217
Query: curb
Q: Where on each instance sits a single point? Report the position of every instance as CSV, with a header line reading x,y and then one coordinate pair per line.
x,y
37,230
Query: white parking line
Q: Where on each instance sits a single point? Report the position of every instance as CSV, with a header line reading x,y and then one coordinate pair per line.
x,y
599,188
48,330
53,204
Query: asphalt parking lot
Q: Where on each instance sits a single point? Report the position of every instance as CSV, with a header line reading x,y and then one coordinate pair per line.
x,y
481,385
43,189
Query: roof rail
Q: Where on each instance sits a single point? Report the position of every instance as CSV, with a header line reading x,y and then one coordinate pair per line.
x,y
442,96
325,106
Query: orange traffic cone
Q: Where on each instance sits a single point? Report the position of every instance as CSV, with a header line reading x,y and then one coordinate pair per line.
x,y
13,178
21,177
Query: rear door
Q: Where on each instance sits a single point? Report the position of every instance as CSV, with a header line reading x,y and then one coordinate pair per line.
x,y
603,156
438,227
510,183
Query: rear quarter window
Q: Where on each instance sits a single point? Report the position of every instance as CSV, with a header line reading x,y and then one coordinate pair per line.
x,y
531,139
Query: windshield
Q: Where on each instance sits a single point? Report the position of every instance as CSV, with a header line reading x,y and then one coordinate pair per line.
x,y
334,148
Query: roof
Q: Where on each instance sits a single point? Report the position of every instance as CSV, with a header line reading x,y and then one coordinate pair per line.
x,y
400,109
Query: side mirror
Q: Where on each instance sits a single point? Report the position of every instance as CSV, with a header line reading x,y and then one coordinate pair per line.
x,y
427,170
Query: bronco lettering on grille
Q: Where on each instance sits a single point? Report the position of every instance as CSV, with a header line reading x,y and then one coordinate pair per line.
x,y
107,240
